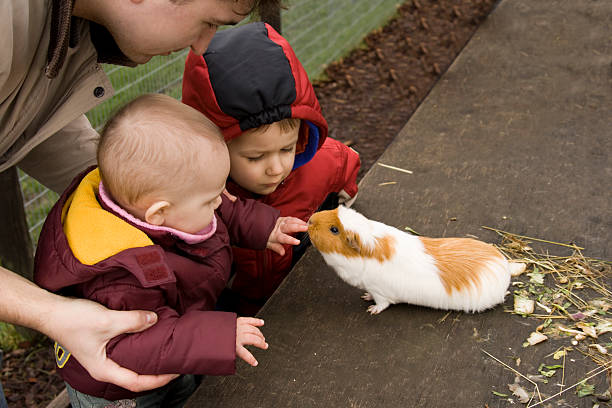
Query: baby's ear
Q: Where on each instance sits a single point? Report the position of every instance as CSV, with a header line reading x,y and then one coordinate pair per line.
x,y
155,214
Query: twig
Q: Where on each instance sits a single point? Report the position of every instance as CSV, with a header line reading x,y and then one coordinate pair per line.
x,y
603,369
563,370
514,371
395,168
533,239
570,293
440,320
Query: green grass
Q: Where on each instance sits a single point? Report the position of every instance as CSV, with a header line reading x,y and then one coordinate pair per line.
x,y
9,337
321,32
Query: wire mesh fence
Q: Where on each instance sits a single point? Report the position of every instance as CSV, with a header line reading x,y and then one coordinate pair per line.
x,y
320,32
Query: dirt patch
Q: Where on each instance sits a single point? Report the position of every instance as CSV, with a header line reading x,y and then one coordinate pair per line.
x,y
371,93
368,96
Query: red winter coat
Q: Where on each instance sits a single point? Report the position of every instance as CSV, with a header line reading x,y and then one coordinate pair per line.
x,y
248,77
87,251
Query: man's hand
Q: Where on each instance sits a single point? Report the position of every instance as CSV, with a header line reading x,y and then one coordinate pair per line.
x,y
247,333
81,326
84,328
280,234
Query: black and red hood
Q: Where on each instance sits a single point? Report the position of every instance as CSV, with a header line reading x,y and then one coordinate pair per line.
x,y
249,77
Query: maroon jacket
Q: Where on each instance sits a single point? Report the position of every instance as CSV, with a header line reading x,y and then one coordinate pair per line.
x,y
250,76
86,251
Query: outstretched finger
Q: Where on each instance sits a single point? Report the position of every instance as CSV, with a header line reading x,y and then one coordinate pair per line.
x,y
287,239
246,355
290,227
253,321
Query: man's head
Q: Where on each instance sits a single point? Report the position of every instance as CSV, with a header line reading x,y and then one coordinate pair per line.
x,y
263,157
164,162
145,28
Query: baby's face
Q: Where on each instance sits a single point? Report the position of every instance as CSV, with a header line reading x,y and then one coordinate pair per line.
x,y
261,160
193,205
195,211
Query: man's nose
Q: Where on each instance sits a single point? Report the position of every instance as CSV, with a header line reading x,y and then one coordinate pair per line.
x,y
200,45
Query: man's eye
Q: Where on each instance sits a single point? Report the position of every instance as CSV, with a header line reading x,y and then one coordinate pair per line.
x,y
288,149
254,158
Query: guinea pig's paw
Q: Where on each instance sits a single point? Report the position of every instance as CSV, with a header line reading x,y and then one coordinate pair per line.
x,y
377,308
367,297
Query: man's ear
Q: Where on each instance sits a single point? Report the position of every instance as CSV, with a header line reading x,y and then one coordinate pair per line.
x,y
155,214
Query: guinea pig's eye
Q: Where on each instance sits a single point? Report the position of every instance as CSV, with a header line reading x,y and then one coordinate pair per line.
x,y
334,230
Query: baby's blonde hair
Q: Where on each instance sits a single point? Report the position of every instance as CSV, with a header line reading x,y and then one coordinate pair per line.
x,y
153,144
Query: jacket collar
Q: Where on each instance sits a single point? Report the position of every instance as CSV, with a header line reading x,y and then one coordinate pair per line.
x,y
65,33
153,230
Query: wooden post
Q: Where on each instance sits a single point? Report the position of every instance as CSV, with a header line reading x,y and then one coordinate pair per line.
x,y
16,252
271,13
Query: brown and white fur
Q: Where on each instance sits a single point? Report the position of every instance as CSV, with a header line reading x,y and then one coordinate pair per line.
x,y
397,267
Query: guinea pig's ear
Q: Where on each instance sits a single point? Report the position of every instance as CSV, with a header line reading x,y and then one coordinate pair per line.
x,y
352,239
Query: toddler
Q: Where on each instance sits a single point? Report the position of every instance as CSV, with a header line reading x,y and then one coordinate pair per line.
x,y
250,83
151,229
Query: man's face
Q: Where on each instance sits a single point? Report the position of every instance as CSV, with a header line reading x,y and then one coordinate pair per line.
x,y
146,28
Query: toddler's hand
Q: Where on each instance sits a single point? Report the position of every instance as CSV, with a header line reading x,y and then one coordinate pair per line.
x,y
280,234
247,333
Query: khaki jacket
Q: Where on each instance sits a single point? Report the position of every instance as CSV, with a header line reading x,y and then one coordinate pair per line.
x,y
40,103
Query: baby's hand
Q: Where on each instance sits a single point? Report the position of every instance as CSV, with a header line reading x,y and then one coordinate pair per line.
x,y
279,235
247,333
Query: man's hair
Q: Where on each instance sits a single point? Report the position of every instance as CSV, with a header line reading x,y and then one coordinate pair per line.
x,y
256,5
152,144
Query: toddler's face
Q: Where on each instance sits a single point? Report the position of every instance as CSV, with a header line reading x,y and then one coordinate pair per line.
x,y
262,159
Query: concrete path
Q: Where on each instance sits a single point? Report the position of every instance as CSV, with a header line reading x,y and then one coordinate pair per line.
x,y
517,135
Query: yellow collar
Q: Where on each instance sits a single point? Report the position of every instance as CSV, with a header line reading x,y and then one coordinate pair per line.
x,y
93,233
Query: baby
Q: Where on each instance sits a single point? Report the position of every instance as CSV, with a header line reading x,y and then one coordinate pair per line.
x,y
151,229
280,153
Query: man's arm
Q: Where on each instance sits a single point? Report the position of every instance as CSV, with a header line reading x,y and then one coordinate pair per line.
x,y
82,326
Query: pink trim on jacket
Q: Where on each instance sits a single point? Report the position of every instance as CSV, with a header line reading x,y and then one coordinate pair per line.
x,y
185,236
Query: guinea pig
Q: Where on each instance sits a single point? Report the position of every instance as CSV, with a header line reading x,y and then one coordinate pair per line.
x,y
396,267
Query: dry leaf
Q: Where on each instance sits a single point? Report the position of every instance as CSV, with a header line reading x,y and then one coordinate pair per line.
x,y
604,327
523,305
588,330
571,331
558,354
518,271
536,337
599,348
519,392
